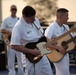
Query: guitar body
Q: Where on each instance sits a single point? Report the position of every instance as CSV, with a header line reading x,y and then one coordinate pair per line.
x,y
55,55
32,45
6,38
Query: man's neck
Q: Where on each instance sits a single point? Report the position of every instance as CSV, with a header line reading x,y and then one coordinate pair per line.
x,y
13,16
59,23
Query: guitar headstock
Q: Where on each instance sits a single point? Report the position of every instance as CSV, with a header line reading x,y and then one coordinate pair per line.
x,y
73,29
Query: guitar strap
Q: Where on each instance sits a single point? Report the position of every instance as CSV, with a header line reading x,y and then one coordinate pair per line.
x,y
38,29
67,30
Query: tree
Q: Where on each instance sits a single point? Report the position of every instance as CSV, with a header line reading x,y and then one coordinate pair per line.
x,y
45,8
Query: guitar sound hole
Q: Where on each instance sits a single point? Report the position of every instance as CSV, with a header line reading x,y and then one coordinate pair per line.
x,y
57,50
64,44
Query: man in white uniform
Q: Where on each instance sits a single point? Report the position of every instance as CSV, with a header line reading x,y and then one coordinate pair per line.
x,y
57,28
6,28
27,30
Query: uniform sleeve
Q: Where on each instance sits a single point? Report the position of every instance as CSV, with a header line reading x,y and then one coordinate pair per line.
x,y
49,32
16,36
4,24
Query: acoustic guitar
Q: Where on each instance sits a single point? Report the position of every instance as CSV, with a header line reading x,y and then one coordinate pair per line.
x,y
54,55
67,43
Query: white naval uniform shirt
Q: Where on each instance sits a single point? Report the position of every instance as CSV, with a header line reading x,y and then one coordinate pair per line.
x,y
24,33
54,30
9,23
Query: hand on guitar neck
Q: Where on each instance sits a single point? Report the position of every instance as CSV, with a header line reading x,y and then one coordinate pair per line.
x,y
4,31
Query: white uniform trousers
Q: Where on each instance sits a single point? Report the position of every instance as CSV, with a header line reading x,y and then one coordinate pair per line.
x,y
62,67
43,67
11,62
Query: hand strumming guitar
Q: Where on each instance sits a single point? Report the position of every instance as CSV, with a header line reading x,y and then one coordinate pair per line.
x,y
61,50
35,52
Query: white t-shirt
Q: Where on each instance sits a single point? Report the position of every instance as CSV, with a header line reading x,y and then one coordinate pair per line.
x,y
9,23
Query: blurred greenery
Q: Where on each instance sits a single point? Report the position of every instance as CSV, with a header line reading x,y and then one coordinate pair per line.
x,y
45,8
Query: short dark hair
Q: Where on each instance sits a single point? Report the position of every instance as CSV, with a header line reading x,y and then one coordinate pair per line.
x,y
62,10
28,11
